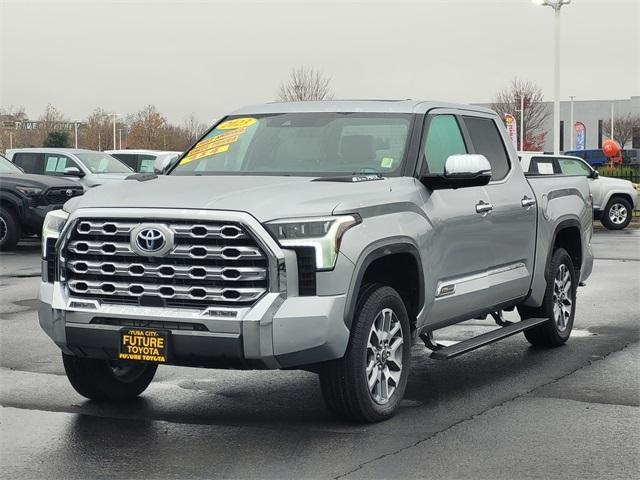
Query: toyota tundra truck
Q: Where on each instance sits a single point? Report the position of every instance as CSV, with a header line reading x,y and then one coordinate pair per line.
x,y
325,236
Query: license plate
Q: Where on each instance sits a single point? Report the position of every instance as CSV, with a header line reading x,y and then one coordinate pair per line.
x,y
143,345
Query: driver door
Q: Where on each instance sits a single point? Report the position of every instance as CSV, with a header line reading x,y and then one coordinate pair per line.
x,y
458,252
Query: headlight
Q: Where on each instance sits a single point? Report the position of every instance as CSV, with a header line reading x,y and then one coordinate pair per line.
x,y
28,191
52,226
324,234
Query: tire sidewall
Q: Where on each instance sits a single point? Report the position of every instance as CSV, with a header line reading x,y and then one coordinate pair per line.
x,y
13,230
605,220
560,257
375,299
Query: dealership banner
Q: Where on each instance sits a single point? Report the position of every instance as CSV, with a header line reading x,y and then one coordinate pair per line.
x,y
581,135
512,129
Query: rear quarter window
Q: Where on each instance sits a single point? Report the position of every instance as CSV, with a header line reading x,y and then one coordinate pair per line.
x,y
29,162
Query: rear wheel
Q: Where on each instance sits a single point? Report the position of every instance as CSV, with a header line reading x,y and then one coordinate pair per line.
x,y
368,383
617,214
558,304
107,380
9,229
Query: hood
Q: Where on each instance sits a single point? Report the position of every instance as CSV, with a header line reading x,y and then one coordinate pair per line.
x,y
107,177
39,181
264,197
612,182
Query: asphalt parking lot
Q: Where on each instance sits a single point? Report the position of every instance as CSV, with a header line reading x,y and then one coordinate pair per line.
x,y
505,411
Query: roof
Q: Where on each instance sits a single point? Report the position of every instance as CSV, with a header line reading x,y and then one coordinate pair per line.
x,y
52,150
373,106
139,151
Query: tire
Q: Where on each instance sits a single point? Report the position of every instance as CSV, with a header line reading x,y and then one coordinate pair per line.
x,y
380,314
617,214
557,329
9,229
103,380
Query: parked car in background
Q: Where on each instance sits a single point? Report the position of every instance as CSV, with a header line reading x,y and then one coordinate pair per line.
x,y
25,200
595,157
144,160
614,199
88,167
325,236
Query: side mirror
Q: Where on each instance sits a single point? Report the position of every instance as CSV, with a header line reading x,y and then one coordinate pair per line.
x,y
469,170
163,163
594,174
73,172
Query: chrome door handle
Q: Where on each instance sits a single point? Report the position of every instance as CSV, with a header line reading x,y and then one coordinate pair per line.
x,y
482,207
528,202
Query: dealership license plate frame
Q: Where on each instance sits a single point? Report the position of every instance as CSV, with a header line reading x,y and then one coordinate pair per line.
x,y
154,354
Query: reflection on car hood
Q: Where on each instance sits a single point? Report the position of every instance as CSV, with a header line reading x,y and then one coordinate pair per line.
x,y
264,197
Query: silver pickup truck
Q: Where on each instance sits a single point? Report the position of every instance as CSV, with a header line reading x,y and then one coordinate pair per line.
x,y
325,236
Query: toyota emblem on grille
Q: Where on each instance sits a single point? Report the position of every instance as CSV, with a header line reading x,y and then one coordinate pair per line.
x,y
68,192
151,240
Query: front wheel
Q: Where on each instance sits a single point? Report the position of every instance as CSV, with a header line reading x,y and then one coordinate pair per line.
x,y
368,383
107,380
9,229
617,214
558,305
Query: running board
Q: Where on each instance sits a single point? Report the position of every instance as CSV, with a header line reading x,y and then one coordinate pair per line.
x,y
445,353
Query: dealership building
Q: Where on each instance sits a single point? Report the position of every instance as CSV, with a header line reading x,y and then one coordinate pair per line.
x,y
594,114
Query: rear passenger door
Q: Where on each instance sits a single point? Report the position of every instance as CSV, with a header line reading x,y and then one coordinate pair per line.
x,y
457,253
513,216
30,162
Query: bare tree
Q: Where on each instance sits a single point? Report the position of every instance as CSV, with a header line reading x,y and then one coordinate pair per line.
x,y
193,128
9,136
305,83
508,100
623,127
147,129
98,131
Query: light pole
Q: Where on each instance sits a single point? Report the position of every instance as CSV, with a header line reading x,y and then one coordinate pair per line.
x,y
571,128
556,5
114,115
75,129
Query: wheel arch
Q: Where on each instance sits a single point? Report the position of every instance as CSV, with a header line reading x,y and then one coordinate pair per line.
x,y
407,276
567,235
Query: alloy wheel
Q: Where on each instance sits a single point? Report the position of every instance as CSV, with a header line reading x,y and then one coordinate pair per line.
x,y
384,356
618,213
562,297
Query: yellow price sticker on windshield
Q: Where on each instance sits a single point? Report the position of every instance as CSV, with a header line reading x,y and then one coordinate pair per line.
x,y
203,153
236,123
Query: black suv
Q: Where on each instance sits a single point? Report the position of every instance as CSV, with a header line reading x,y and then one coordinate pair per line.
x,y
26,199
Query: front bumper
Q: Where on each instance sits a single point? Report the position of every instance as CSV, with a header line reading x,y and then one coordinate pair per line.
x,y
276,332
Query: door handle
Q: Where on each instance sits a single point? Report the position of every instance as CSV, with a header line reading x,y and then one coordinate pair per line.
x,y
483,207
528,202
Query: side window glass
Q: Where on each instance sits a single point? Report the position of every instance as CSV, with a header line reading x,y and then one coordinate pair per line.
x,y
542,166
487,141
443,139
29,162
145,163
56,163
569,166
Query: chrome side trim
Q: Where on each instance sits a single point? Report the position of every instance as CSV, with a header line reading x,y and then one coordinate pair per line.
x,y
471,283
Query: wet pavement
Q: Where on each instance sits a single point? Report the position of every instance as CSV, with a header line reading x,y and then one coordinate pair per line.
x,y
504,411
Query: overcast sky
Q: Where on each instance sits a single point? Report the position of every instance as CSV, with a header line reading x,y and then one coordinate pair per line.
x,y
211,57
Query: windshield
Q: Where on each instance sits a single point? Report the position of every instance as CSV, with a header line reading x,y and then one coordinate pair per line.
x,y
102,163
305,144
7,167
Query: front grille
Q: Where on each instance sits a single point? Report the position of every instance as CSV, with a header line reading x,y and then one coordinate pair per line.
x,y
59,195
211,263
159,324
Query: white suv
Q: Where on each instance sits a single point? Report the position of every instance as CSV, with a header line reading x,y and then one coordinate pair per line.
x,y
614,199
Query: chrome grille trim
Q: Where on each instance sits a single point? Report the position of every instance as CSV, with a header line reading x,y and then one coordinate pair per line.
x,y
176,292
231,274
220,258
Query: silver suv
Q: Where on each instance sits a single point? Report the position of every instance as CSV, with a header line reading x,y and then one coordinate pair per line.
x,y
325,236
